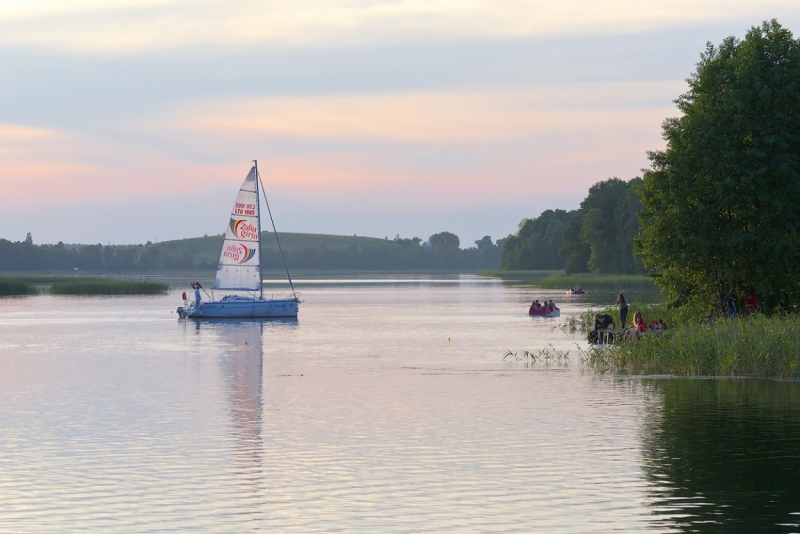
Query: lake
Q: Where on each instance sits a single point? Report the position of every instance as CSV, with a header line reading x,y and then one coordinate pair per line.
x,y
387,406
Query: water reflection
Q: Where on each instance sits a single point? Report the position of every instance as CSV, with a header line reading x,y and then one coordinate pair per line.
x,y
241,364
724,455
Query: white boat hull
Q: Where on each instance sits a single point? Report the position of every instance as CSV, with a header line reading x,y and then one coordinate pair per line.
x,y
242,308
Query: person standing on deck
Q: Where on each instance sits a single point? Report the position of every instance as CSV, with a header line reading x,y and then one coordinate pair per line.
x,y
623,309
196,287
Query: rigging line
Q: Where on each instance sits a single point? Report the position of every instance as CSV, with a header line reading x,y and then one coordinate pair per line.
x,y
278,239
260,248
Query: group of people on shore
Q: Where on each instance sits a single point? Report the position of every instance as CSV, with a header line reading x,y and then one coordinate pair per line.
x,y
602,322
750,304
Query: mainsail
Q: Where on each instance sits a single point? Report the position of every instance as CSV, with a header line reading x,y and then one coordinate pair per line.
x,y
239,266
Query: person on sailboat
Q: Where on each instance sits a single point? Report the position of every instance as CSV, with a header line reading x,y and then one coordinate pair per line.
x,y
196,287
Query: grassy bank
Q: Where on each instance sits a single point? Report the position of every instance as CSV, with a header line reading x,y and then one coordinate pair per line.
x,y
522,276
560,280
12,287
758,346
102,286
615,282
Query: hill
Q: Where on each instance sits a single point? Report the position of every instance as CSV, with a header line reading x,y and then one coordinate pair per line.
x,y
207,249
302,251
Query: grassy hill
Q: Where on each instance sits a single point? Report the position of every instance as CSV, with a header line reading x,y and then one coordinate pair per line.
x,y
208,248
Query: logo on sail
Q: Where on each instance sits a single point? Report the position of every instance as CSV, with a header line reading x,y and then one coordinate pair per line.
x,y
244,229
239,253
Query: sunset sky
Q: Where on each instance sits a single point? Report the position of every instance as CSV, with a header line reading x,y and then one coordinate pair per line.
x,y
126,121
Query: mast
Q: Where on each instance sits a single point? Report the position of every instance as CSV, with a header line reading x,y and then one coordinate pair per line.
x,y
260,255
278,239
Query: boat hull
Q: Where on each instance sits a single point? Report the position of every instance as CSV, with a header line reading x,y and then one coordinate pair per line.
x,y
243,309
544,313
580,292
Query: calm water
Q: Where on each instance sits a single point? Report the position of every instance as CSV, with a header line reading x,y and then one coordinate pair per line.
x,y
386,407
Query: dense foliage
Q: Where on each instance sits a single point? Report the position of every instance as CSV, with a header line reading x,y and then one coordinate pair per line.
x,y
25,256
537,243
721,201
599,239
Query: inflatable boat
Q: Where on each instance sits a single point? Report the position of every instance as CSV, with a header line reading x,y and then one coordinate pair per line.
x,y
544,311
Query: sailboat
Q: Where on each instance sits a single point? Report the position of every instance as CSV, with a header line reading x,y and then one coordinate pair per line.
x,y
239,268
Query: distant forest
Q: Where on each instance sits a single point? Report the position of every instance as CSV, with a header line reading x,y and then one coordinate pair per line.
x,y
302,251
595,238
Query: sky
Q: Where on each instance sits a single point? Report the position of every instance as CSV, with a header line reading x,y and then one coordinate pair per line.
x,y
125,122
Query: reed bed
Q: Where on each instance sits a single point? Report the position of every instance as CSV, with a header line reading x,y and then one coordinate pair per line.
x,y
44,279
14,287
102,286
757,346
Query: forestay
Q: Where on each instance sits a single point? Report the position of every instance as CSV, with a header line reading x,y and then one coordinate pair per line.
x,y
240,261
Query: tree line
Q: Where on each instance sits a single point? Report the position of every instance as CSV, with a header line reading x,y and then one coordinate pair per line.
x,y
596,238
443,252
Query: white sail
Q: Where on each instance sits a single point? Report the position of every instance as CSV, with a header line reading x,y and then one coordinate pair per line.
x,y
239,266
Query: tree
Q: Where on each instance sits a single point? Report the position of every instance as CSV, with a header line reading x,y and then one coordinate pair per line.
x,y
599,238
721,201
536,244
444,241
485,244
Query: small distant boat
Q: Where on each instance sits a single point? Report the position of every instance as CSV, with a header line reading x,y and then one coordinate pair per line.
x,y
544,311
578,290
239,267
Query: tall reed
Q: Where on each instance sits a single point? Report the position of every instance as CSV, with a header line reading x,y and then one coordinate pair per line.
x,y
100,286
757,346
12,287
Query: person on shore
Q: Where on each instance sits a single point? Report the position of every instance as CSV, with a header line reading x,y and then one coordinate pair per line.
x,y
623,309
751,303
731,305
638,322
601,322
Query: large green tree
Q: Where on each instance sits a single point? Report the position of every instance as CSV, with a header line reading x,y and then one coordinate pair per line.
x,y
722,201
536,244
598,239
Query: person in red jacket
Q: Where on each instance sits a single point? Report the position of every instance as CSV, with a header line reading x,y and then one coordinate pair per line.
x,y
638,322
751,302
